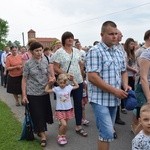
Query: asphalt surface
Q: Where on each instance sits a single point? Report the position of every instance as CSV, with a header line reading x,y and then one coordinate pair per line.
x,y
75,141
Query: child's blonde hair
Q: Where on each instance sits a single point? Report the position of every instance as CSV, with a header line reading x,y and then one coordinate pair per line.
x,y
145,108
62,77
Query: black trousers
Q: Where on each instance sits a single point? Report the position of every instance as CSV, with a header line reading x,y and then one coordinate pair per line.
x,y
2,74
77,99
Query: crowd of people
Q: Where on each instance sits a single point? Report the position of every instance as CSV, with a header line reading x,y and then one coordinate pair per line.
x,y
100,76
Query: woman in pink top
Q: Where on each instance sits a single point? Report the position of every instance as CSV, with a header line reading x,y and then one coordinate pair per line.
x,y
27,55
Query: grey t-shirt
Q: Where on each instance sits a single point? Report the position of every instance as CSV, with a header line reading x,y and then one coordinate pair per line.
x,y
137,56
146,55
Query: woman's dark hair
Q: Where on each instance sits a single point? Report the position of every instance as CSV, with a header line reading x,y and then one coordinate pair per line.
x,y
147,35
13,46
65,36
130,53
46,49
35,45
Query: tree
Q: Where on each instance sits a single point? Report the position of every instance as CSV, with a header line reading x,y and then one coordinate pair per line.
x,y
4,29
9,43
17,43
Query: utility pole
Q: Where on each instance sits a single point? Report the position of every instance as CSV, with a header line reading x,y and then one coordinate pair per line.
x,y
23,38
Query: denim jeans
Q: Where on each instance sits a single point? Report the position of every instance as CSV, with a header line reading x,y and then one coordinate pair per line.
x,y
105,120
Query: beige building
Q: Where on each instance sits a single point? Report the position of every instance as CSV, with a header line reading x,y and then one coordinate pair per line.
x,y
45,41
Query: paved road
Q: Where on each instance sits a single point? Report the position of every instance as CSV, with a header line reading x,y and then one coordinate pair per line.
x,y
76,142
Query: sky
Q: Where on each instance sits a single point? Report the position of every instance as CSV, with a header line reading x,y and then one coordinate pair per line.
x,y
51,18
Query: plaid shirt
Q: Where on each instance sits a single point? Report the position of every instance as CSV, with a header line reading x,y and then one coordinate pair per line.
x,y
108,63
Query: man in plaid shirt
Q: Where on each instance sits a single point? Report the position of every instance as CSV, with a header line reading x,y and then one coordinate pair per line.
x,y
106,71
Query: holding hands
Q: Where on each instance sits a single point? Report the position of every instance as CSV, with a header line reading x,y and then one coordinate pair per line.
x,y
70,77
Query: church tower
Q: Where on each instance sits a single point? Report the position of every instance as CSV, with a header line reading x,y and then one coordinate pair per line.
x,y
31,34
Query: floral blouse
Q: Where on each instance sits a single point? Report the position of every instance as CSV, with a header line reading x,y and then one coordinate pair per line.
x,y
63,58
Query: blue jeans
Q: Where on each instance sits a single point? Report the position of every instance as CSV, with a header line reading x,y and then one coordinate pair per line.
x,y
105,120
77,99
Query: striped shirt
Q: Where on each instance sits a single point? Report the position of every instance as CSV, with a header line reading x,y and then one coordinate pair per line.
x,y
108,63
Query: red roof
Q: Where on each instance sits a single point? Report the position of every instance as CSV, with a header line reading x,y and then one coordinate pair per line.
x,y
45,39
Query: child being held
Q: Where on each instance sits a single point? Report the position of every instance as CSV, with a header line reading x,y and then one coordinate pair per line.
x,y
142,139
64,109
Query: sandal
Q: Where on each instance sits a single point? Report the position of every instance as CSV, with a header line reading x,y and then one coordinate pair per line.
x,y
43,143
85,122
17,104
82,132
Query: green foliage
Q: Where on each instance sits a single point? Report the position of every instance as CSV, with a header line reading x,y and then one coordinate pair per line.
x,y
17,43
10,131
4,29
9,43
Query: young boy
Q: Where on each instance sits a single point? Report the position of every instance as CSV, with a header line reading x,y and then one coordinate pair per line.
x,y
142,139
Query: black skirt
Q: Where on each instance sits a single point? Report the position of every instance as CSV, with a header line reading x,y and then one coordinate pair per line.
x,y
14,85
41,112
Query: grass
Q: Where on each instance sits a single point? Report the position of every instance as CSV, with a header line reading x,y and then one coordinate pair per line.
x,y
10,132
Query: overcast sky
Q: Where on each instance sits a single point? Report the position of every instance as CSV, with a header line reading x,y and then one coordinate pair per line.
x,y
51,18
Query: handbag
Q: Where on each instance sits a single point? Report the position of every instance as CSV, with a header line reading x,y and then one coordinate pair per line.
x,y
27,130
141,99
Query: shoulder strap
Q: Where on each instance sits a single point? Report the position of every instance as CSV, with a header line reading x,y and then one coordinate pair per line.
x,y
27,55
138,81
8,54
47,58
70,62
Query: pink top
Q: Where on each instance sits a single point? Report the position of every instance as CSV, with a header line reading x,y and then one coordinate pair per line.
x,y
26,56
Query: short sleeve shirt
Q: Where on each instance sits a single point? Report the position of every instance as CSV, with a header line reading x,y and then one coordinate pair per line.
x,y
137,55
82,55
14,61
26,56
63,58
141,142
146,55
37,76
109,64
63,100
139,52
